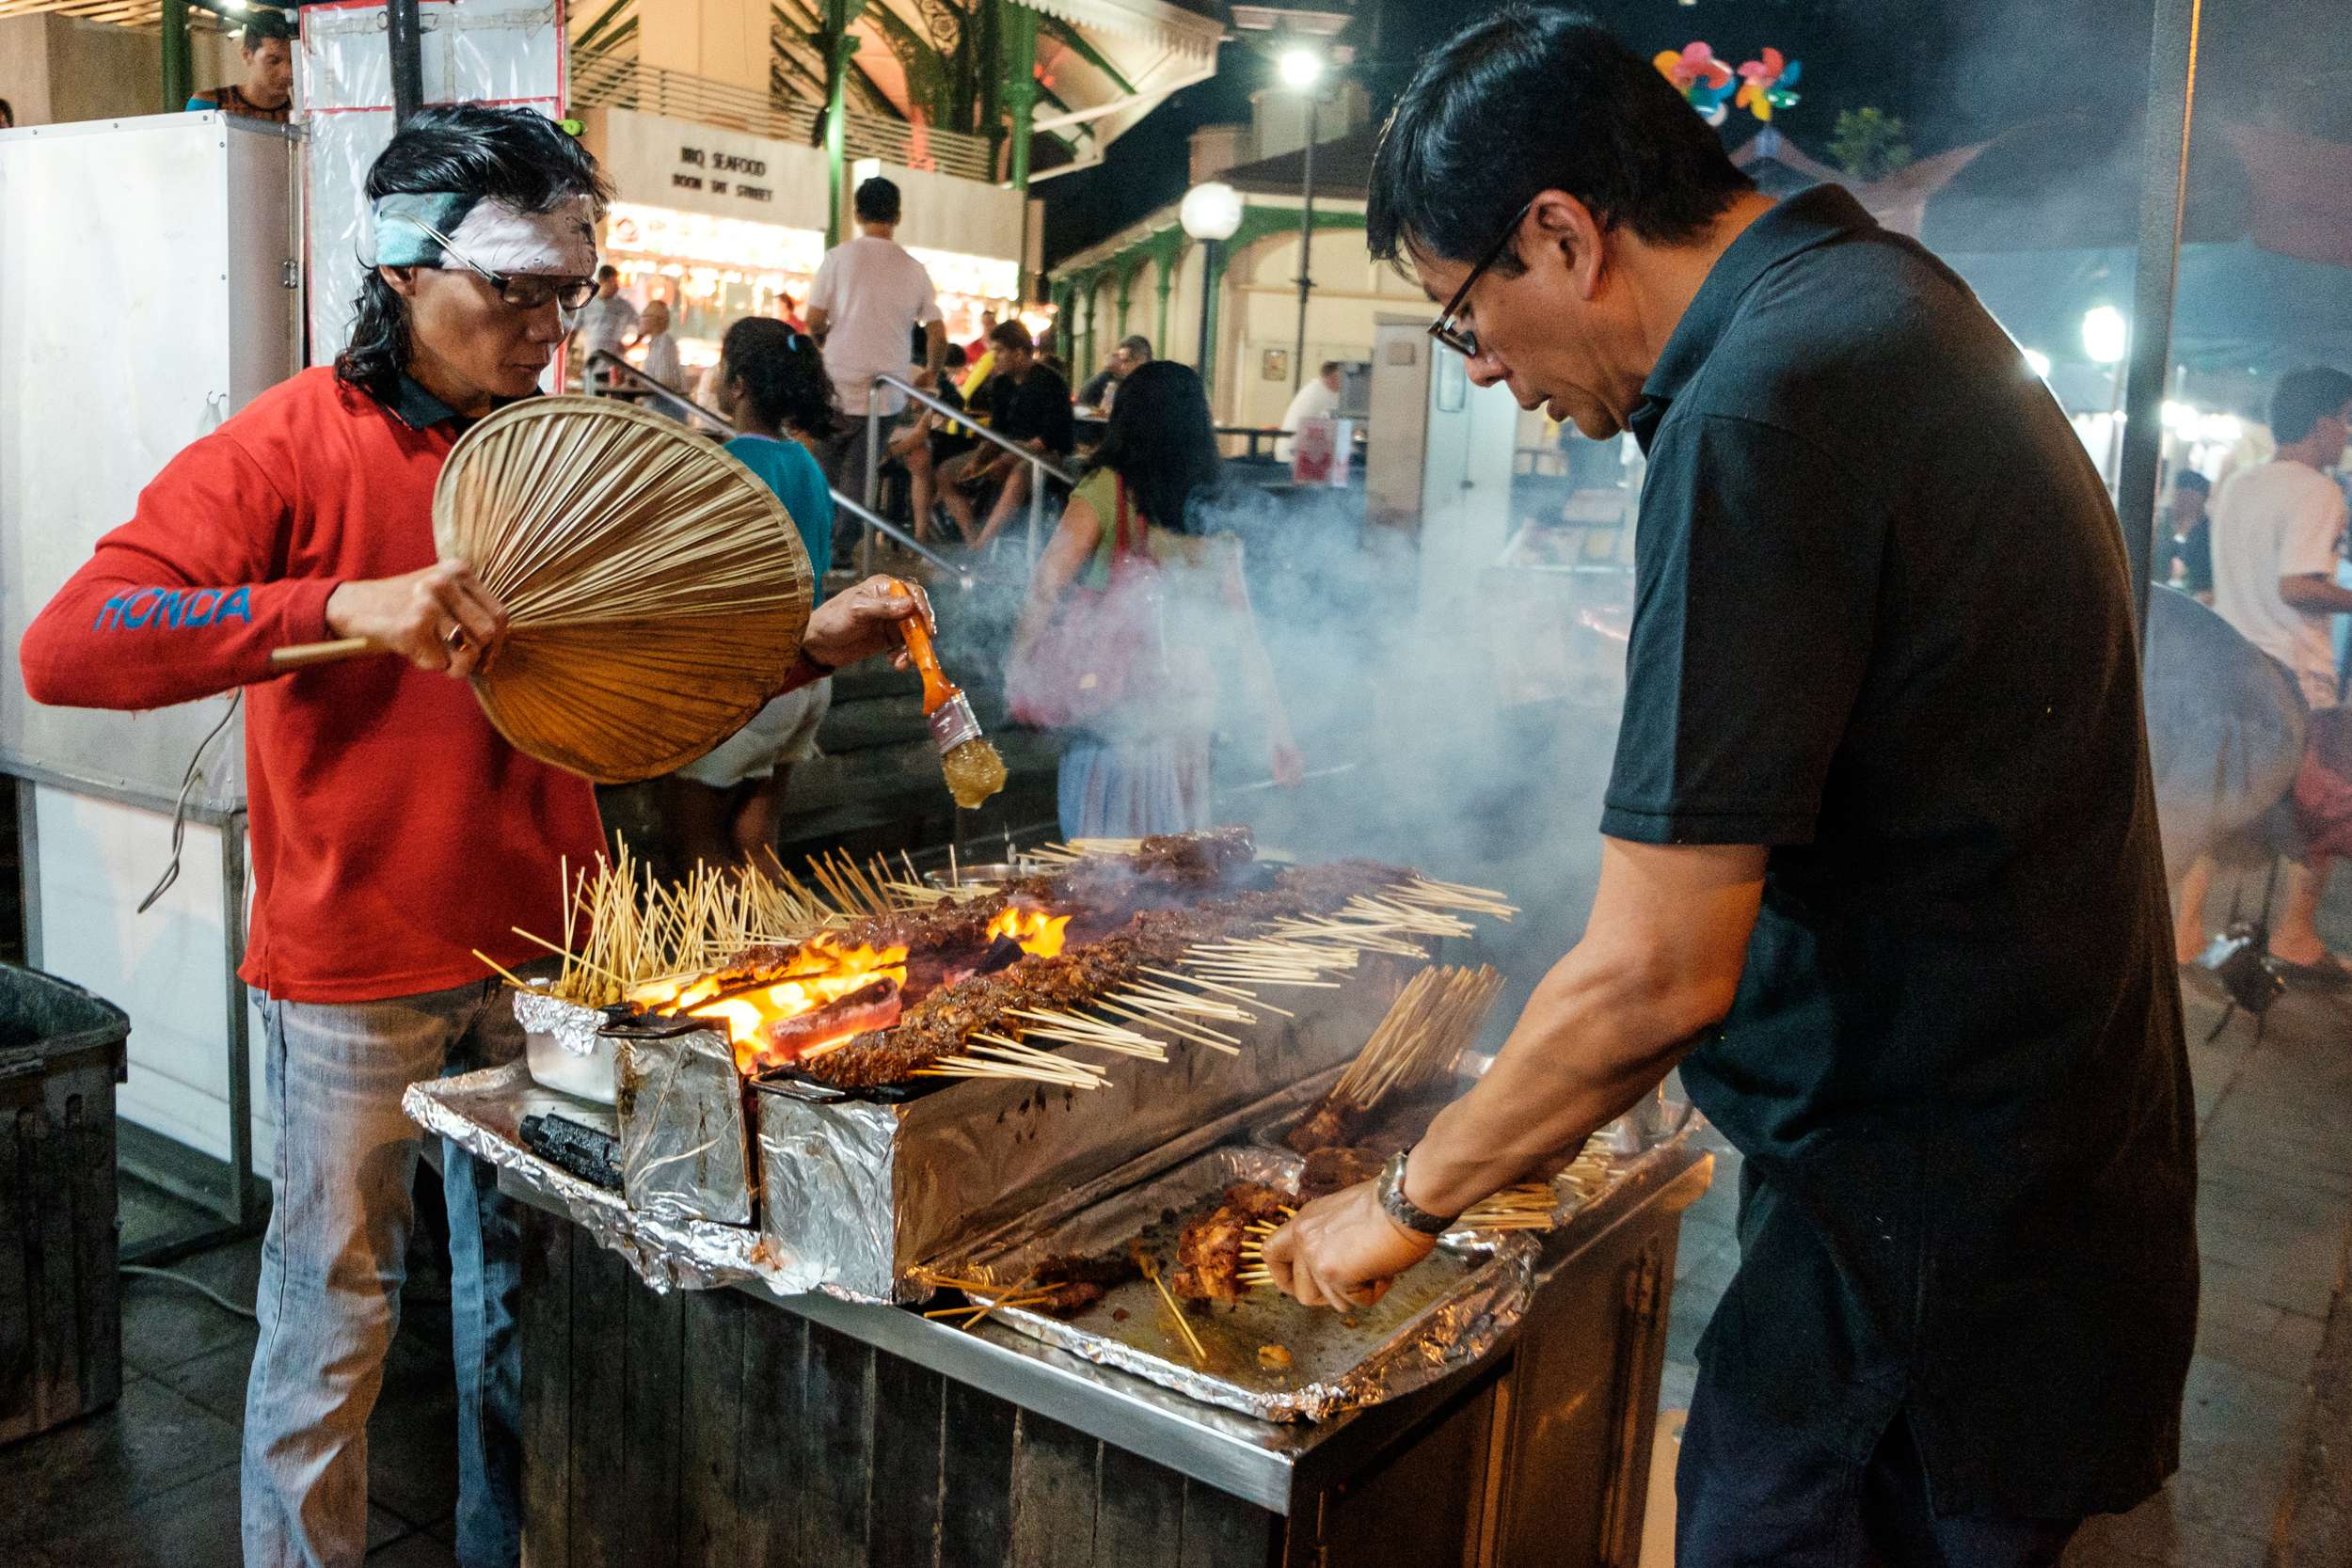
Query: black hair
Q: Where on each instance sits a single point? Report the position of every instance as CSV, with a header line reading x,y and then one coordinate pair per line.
x,y
1160,442
607,270
782,375
877,201
1330,365
2189,479
1012,333
956,358
262,25
511,155
2305,397
7,116
1578,113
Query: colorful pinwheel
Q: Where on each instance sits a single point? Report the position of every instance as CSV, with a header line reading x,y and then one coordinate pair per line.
x,y
1699,76
1764,85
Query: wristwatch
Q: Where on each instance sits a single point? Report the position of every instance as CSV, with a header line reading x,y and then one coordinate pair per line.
x,y
1400,1207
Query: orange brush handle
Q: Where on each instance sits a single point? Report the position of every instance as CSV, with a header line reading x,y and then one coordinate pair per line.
x,y
937,689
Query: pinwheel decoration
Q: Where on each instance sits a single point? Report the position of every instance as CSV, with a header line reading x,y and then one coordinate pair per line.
x,y
1700,77
1764,85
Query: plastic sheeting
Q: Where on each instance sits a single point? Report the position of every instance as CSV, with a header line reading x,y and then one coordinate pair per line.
x,y
508,53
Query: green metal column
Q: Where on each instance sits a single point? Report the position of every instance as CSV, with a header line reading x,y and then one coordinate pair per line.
x,y
179,57
1212,283
1064,328
839,47
1126,293
1017,36
1167,253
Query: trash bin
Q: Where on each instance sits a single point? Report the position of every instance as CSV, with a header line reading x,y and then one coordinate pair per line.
x,y
61,1054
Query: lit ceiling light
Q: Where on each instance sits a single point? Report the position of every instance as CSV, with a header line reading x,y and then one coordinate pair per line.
x,y
2105,334
1301,68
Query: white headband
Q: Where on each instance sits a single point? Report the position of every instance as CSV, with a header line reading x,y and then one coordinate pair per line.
x,y
495,235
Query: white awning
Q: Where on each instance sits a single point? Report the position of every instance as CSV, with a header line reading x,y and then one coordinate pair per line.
x,y
1170,26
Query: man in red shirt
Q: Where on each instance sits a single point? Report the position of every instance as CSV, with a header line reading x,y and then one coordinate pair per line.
x,y
393,829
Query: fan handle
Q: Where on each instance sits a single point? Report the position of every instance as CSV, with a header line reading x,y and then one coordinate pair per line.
x,y
304,653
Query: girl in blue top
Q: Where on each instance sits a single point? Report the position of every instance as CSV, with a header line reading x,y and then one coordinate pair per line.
x,y
773,388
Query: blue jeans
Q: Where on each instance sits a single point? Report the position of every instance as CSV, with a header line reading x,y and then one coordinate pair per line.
x,y
333,1263
1750,1493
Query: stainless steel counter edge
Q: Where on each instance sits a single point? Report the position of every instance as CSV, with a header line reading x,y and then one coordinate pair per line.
x,y
1259,1462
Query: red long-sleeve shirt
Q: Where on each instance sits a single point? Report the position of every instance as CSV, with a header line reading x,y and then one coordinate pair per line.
x,y
394,828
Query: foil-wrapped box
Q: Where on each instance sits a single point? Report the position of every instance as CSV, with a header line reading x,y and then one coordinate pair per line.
x,y
685,1153
860,1192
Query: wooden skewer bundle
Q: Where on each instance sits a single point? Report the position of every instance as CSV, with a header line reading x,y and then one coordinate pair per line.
x,y
1440,1011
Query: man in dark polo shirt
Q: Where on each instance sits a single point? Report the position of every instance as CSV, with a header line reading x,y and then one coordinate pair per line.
x,y
1882,747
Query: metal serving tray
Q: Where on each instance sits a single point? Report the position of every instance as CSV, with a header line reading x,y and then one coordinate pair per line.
x,y
1442,1314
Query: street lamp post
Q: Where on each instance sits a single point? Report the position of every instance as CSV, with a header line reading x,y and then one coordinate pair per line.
x,y
1211,213
1303,69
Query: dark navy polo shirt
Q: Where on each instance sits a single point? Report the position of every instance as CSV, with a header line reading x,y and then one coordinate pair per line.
x,y
1883,626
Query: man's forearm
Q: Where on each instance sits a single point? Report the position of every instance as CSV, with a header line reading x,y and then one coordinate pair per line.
x,y
1580,1056
1659,963
2316,593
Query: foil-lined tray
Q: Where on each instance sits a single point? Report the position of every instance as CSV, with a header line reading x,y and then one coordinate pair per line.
x,y
1441,1315
481,1113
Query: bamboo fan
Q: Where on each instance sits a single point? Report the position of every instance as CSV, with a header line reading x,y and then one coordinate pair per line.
x,y
657,589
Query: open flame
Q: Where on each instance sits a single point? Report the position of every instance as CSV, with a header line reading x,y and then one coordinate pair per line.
x,y
1039,933
821,972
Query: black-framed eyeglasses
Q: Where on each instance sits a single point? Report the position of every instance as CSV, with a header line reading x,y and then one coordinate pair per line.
x,y
523,290
1443,329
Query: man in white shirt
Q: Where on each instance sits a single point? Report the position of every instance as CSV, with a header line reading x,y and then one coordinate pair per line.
x,y
2277,531
869,298
607,323
1316,400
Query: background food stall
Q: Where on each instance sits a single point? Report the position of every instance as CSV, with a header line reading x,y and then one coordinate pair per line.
x,y
724,223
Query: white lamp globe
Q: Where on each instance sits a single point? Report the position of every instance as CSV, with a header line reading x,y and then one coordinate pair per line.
x,y
2105,334
1211,212
1301,68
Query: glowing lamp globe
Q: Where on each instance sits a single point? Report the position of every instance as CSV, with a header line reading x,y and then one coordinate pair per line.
x,y
1211,212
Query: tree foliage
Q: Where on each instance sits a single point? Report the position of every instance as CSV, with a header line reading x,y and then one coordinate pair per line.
x,y
1869,145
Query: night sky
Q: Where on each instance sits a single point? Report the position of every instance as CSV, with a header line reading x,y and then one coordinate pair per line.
x,y
1955,70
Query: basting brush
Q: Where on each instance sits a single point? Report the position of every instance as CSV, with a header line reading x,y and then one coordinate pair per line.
x,y
974,770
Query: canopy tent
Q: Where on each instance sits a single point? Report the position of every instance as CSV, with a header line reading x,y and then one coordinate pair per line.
x,y
2239,306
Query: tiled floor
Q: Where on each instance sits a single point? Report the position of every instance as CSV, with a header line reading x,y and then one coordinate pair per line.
x,y
152,1482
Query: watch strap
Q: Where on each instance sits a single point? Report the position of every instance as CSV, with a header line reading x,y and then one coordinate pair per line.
x,y
1401,1209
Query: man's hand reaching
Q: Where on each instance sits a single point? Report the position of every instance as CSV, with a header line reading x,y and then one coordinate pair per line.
x,y
1344,1250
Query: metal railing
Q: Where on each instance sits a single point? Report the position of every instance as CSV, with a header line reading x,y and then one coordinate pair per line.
x,y
600,81
865,515
1041,467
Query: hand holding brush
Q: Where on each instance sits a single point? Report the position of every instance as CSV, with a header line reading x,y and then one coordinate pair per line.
x,y
974,770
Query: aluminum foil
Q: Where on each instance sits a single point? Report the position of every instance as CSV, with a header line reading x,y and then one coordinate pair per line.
x,y
858,1197
573,1027
684,1151
1442,1314
482,1114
